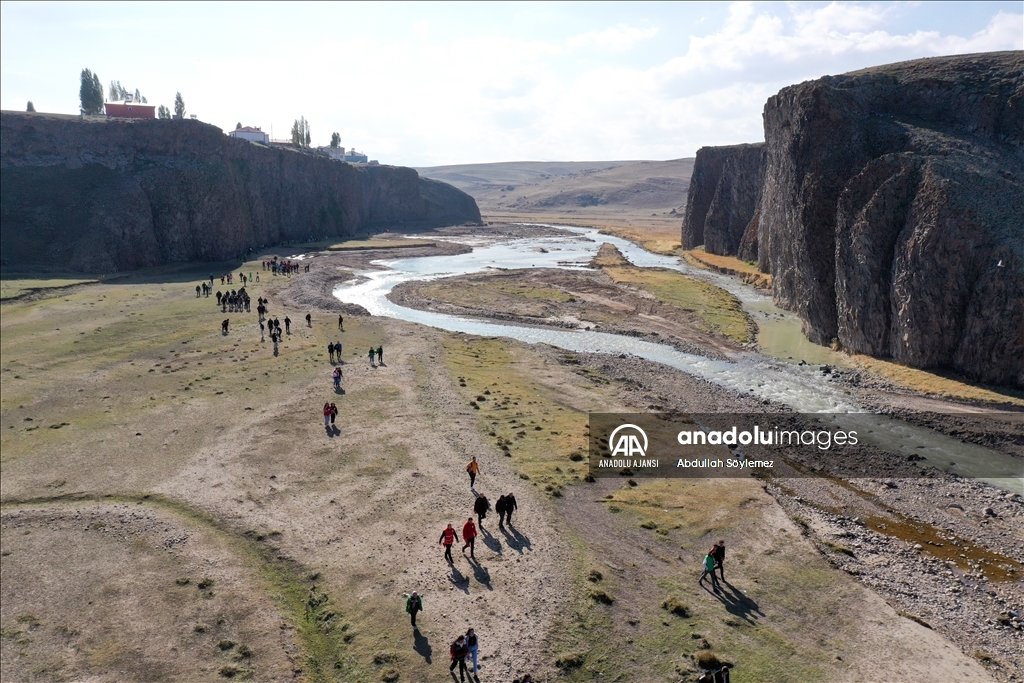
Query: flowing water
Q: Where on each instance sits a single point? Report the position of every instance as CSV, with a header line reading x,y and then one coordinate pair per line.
x,y
773,374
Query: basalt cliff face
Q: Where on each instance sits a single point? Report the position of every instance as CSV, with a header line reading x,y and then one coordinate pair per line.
x,y
724,189
104,195
891,212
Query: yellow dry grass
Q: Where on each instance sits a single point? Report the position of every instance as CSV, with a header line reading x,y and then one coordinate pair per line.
x,y
730,265
935,384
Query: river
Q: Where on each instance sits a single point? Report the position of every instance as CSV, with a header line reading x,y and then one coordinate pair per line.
x,y
773,374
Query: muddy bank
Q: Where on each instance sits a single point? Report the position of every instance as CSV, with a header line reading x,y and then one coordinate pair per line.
x,y
569,299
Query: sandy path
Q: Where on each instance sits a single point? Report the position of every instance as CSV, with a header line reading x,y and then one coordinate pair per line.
x,y
373,501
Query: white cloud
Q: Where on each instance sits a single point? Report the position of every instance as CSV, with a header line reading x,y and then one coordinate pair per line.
x,y
618,38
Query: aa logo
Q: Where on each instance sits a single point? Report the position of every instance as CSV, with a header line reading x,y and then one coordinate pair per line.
x,y
628,443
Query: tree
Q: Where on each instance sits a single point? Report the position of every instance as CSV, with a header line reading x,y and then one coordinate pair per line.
x,y
30,107
179,106
163,112
117,91
238,125
90,93
335,140
300,132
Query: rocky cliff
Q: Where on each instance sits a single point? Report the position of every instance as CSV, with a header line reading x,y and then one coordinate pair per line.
x,y
723,195
892,213
102,195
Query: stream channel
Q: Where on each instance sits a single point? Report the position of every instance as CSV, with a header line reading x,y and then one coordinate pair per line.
x,y
772,374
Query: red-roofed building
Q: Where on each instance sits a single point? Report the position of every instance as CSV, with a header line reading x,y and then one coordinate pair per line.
x,y
130,110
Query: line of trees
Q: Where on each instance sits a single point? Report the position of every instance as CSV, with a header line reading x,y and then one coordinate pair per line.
x,y
90,93
91,97
300,132
335,140
119,92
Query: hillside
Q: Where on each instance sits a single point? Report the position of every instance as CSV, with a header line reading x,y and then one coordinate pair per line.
x,y
581,188
93,194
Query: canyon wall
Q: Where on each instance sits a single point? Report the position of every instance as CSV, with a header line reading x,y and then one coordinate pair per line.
x,y
723,195
891,212
91,194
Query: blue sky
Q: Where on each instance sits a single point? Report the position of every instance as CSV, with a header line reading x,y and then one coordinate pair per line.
x,y
424,84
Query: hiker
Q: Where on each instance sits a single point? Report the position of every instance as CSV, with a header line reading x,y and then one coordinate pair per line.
x,y
334,413
448,537
337,352
469,537
380,355
198,290
337,379
309,320
262,339
341,323
473,468
510,505
330,351
458,652
219,295
414,605
327,412
372,364
224,326
473,645
718,553
480,507
287,325
709,568
500,507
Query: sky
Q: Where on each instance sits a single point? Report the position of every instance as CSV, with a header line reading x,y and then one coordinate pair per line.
x,y
424,84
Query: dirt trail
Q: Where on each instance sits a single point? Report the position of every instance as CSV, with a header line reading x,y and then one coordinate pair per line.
x,y
366,507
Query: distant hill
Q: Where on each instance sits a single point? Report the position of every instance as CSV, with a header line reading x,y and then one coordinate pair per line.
x,y
586,188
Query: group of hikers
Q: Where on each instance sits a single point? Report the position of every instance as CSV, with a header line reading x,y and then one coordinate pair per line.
x,y
330,413
714,560
283,267
379,352
229,302
465,648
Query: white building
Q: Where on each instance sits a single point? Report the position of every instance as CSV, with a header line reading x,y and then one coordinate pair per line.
x,y
251,134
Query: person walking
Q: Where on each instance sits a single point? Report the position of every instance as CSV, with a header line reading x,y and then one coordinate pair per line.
x,y
510,505
709,569
372,354
337,379
414,605
337,351
718,553
500,508
309,320
448,538
473,645
334,413
380,355
469,537
341,323
327,413
330,351
458,652
480,507
473,468
287,325
262,338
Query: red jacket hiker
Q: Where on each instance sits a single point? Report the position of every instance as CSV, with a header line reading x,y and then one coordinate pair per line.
x,y
468,531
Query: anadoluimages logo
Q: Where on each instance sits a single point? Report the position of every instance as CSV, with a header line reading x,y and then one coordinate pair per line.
x,y
628,445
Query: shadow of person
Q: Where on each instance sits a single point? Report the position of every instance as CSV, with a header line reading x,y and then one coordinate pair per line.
x,y
459,580
330,432
339,390
421,644
481,574
736,603
381,364
335,430
520,539
492,543
511,540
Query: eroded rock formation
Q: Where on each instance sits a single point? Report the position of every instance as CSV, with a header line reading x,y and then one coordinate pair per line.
x,y
723,196
891,212
103,195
